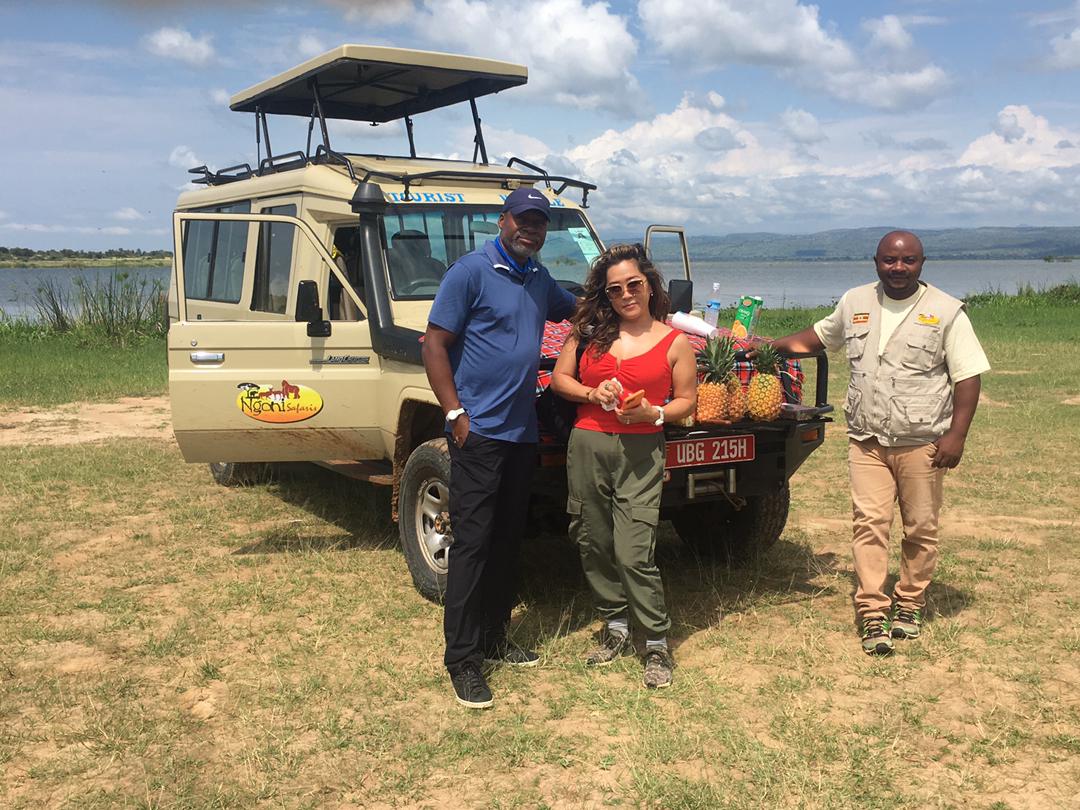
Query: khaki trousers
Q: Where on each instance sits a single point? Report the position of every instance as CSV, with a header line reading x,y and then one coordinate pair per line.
x,y
615,482
880,477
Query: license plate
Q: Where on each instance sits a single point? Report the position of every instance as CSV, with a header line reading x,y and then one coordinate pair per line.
x,y
715,450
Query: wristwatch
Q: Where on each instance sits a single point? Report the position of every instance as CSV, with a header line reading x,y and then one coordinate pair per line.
x,y
454,414
660,418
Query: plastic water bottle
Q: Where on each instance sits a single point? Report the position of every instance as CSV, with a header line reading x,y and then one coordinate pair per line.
x,y
712,312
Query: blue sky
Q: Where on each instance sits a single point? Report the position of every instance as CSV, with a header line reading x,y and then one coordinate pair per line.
x,y
748,115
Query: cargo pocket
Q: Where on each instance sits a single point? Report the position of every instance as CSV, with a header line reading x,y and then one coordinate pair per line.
x,y
913,418
852,409
921,351
573,507
649,515
855,340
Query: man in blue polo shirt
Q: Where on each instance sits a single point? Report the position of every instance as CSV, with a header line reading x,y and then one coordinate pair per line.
x,y
481,353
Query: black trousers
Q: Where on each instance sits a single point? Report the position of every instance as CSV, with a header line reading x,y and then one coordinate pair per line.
x,y
490,482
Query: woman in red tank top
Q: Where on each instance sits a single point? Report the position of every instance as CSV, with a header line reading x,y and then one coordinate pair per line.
x,y
634,374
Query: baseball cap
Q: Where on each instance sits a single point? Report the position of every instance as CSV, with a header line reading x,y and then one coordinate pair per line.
x,y
521,200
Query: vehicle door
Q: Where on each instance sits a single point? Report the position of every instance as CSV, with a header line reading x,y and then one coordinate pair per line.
x,y
247,381
666,245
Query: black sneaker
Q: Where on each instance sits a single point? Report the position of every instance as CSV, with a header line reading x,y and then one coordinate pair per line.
x,y
470,687
512,655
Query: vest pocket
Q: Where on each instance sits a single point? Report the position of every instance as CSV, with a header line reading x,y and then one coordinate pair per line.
x,y
921,351
914,418
853,403
855,340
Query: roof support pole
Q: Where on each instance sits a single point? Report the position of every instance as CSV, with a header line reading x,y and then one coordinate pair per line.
x,y
260,116
310,127
319,112
478,141
409,131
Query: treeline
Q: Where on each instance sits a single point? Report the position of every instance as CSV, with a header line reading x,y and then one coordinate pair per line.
x,y
27,255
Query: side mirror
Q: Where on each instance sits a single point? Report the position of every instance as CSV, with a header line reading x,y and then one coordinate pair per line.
x,y
681,292
308,309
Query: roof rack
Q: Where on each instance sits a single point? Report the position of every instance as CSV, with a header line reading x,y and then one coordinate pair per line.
x,y
377,84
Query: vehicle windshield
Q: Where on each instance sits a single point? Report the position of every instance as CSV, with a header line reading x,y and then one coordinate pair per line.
x,y
423,240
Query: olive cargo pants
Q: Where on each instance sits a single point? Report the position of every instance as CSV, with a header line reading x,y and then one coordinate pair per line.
x,y
880,477
614,483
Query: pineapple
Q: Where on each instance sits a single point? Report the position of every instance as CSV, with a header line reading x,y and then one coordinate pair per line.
x,y
714,364
765,394
736,397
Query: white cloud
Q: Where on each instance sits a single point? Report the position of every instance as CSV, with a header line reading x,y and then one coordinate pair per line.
x,y
127,214
788,36
310,45
888,32
376,12
182,157
1020,142
220,97
1065,51
579,53
179,44
780,33
801,126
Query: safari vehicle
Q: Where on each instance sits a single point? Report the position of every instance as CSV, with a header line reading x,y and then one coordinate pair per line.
x,y
301,289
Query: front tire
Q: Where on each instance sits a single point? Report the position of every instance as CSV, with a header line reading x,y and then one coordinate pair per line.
x,y
424,517
717,527
239,473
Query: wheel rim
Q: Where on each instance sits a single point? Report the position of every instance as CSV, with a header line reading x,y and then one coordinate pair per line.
x,y
433,501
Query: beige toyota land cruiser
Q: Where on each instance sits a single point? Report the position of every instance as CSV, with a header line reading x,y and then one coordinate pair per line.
x,y
301,288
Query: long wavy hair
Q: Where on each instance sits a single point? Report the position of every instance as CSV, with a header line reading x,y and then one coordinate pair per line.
x,y
596,323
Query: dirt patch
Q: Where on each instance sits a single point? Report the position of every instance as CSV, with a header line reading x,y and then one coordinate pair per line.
x,y
1071,401
78,423
992,403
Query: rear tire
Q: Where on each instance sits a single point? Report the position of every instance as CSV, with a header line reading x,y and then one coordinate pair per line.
x,y
424,503
718,528
239,473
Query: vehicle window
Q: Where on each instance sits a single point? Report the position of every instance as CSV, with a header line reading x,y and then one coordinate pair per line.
x,y
273,262
214,256
346,253
423,240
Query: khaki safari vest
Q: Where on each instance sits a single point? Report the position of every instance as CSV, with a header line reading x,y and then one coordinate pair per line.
x,y
903,397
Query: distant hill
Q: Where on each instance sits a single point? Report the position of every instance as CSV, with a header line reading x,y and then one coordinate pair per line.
x,y
860,243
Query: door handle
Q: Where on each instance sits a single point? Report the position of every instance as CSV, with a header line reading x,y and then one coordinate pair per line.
x,y
207,357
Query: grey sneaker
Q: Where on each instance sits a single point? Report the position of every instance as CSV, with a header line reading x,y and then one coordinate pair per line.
x,y
612,646
658,667
906,622
876,635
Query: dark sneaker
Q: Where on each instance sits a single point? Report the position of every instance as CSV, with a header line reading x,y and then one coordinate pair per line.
x,y
658,667
512,655
612,646
906,622
876,638
470,687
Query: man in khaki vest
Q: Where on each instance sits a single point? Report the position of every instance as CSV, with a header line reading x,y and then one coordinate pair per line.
x,y
915,366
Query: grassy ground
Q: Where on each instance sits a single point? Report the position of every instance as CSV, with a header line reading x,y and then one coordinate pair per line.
x,y
165,642
44,368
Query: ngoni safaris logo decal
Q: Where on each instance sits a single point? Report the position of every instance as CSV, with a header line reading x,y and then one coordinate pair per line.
x,y
289,403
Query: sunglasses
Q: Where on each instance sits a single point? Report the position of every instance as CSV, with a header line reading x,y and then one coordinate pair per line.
x,y
634,286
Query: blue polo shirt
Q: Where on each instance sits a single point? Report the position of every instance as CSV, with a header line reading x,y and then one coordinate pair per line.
x,y
497,312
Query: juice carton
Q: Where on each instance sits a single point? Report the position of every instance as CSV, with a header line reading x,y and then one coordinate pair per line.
x,y
746,316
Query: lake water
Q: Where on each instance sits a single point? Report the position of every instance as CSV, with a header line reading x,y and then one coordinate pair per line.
x,y
781,284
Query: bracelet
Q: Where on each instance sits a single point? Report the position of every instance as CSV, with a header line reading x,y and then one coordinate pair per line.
x,y
588,394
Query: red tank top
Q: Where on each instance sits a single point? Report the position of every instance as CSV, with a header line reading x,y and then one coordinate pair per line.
x,y
650,371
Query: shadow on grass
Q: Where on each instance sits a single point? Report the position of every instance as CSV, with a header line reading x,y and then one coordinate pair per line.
x,y
360,510
698,590
942,600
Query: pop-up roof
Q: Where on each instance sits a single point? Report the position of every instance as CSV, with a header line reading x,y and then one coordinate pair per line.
x,y
371,83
